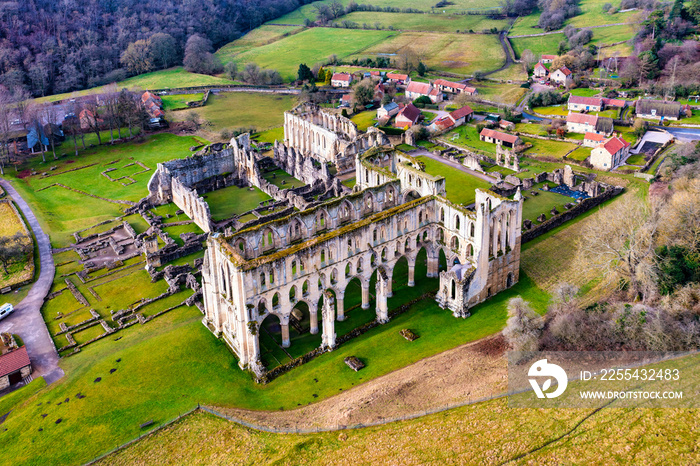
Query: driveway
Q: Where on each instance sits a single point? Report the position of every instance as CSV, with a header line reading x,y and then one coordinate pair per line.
x,y
27,321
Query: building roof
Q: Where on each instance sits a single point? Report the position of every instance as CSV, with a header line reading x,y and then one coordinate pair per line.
x,y
540,65
410,112
342,77
614,145
374,73
445,83
493,134
566,71
390,106
470,90
419,88
346,98
604,125
614,102
435,91
549,57
461,112
594,137
662,107
590,101
14,361
150,96
505,124
444,123
581,118
401,77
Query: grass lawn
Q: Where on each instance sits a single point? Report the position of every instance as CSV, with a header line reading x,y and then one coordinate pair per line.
x,y
350,182
585,92
310,46
636,159
460,186
427,22
175,231
229,110
580,154
186,364
270,135
227,202
428,116
365,119
62,212
530,128
543,202
592,14
258,37
497,92
178,101
693,120
456,53
548,148
172,78
538,45
282,179
514,72
468,137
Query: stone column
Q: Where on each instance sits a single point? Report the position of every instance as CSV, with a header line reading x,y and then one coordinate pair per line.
x,y
433,266
389,286
328,338
284,322
411,274
340,307
365,295
313,315
382,308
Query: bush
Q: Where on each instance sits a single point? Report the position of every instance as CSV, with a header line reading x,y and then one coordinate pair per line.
x,y
424,100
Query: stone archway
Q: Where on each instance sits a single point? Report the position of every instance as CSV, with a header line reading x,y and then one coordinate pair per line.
x,y
270,338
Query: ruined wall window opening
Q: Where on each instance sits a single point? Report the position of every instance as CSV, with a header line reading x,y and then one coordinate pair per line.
x,y
323,255
262,279
454,290
348,270
293,294
275,301
272,277
471,233
305,288
457,222
442,215
294,267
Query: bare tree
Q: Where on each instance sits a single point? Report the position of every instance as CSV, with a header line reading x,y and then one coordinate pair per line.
x,y
6,104
408,60
111,110
524,326
622,247
90,117
51,115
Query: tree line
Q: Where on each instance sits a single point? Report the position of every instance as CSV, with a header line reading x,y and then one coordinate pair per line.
x,y
51,47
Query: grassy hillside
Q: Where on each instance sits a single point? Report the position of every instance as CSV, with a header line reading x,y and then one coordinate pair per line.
x,y
425,22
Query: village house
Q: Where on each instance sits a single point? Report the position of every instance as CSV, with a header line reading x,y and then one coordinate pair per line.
x,y
610,154
592,139
415,90
613,103
548,58
586,123
499,138
398,78
346,100
507,125
387,110
589,104
14,362
341,80
407,116
454,88
658,109
562,76
153,105
453,119
540,70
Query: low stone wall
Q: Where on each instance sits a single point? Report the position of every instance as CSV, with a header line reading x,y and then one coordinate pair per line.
x,y
578,209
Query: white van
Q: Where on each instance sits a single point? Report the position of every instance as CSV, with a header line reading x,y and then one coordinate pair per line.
x,y
6,310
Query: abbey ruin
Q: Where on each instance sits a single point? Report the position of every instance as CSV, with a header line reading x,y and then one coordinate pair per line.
x,y
312,241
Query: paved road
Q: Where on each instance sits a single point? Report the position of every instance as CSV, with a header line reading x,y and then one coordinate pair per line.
x,y
27,321
452,164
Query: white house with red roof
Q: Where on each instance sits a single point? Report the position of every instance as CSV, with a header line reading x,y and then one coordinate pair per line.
x,y
407,116
610,153
398,78
415,90
562,76
499,138
453,119
578,103
341,80
548,58
540,70
453,87
592,139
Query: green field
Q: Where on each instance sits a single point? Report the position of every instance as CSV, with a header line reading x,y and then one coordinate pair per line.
x,y
538,45
585,92
549,148
508,94
460,186
172,78
580,154
468,136
270,135
227,202
542,203
456,53
365,119
514,72
282,179
178,101
310,46
229,110
425,22
258,37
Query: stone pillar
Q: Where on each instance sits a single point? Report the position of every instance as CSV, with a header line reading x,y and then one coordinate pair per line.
x,y
389,286
365,295
284,322
411,274
382,307
328,338
313,316
340,307
433,266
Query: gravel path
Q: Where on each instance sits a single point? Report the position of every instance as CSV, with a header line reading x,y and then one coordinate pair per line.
x,y
27,320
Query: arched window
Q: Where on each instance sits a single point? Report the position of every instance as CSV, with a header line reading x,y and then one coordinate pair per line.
x,y
442,215
455,243
323,255
272,277
294,267
262,279
420,217
457,222
472,230
454,289
276,300
305,288
293,293
348,270
359,265
384,255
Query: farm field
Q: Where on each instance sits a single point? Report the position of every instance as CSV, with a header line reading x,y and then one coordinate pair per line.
x,y
580,154
310,46
460,185
178,101
456,53
538,45
243,110
508,94
425,22
258,37
514,72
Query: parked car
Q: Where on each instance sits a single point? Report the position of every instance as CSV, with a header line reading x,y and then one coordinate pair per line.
x,y
5,310
157,123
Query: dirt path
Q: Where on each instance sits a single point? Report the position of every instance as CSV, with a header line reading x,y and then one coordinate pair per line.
x,y
27,320
471,371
